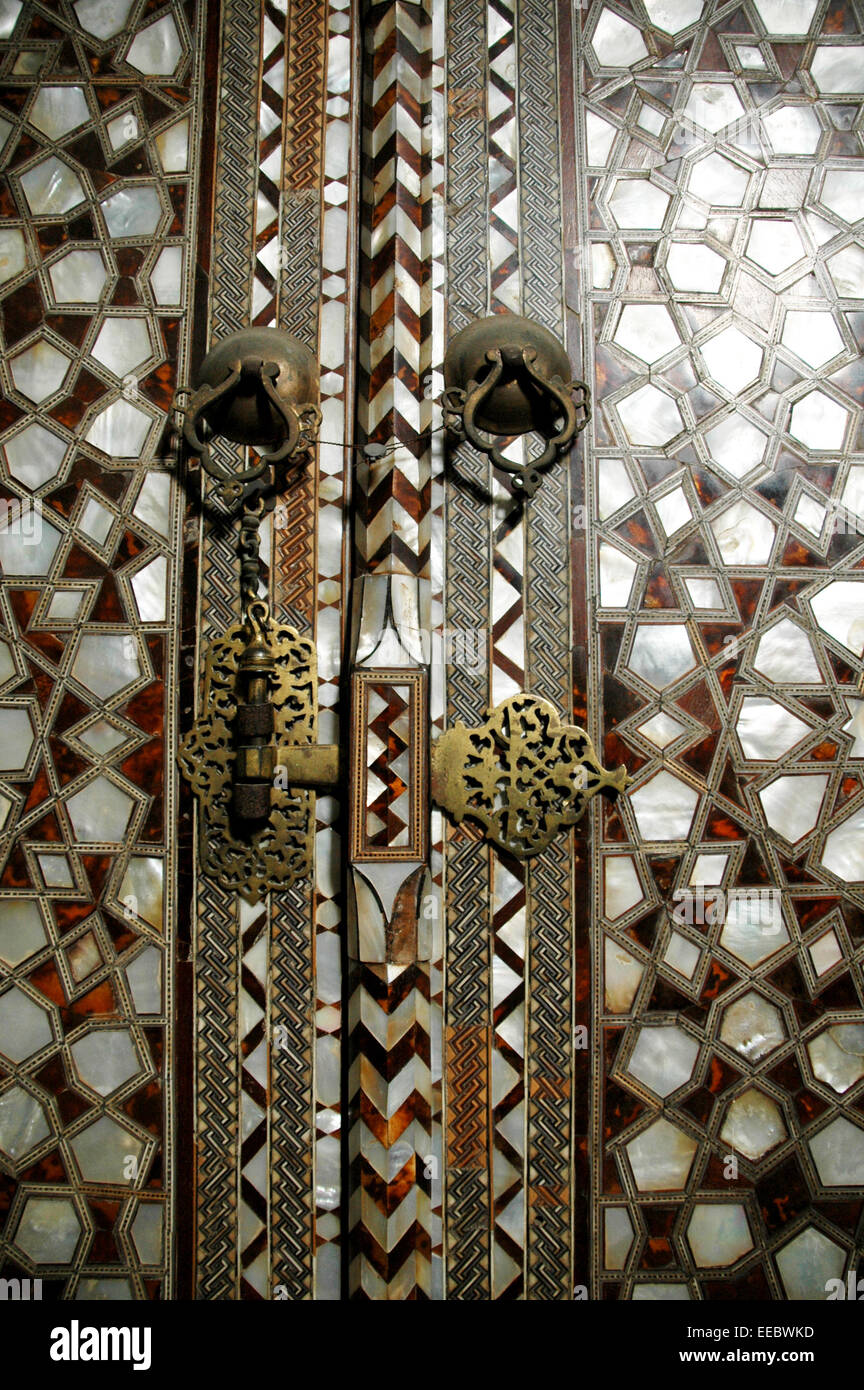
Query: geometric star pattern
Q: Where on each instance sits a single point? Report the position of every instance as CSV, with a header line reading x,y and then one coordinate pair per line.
x,y
753,913
97,202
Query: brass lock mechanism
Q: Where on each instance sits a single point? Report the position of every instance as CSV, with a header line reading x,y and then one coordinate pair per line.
x,y
251,756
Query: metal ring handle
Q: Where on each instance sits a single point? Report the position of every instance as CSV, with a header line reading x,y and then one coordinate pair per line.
x,y
461,408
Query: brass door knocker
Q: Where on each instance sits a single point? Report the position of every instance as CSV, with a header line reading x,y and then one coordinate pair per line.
x,y
257,387
506,376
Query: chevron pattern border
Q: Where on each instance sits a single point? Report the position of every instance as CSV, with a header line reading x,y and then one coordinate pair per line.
x,y
390,1134
268,191
395,301
254,1157
510,917
392,1093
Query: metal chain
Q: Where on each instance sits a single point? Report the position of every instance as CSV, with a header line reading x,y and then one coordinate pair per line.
x,y
256,611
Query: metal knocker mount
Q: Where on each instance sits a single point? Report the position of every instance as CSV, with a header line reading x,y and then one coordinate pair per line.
x,y
257,387
507,376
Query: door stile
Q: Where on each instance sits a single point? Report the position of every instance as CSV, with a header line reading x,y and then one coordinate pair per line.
x,y
217,926
468,1032
394,1087
516,1102
311,551
269,976
551,1057
574,270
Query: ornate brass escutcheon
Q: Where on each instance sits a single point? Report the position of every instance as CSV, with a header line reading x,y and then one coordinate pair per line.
x,y
522,774
253,762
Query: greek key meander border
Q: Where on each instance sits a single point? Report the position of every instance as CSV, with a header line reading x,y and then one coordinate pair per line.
x,y
217,927
548,636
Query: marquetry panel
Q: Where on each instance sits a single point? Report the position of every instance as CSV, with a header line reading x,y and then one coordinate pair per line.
x,y
100,116
724,321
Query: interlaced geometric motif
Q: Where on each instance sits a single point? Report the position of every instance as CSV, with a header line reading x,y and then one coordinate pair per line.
x,y
724,161
98,119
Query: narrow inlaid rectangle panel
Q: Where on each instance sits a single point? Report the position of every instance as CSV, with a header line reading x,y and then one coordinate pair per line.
x,y
388,762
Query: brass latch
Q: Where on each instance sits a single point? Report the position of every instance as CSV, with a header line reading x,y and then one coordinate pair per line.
x,y
522,774
252,759
253,762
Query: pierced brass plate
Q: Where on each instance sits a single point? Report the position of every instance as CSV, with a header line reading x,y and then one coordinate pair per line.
x,y
278,853
522,774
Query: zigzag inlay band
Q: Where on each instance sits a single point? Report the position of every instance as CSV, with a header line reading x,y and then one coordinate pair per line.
x,y
395,302
390,1082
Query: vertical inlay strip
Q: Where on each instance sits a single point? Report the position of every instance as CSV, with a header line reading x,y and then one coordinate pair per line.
x,y
217,932
391,1085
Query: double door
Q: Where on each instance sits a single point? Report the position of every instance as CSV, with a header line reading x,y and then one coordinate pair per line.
x,y
630,1066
